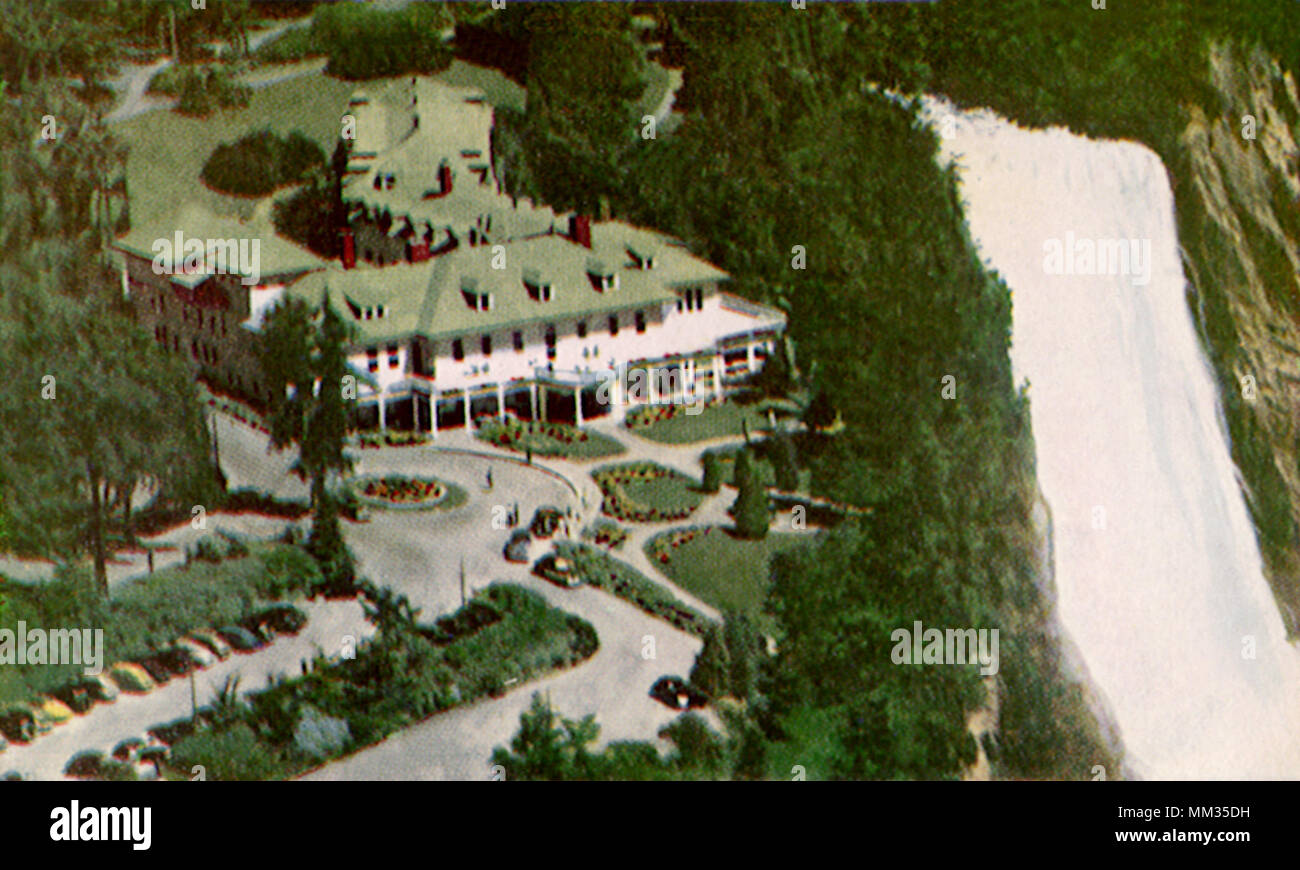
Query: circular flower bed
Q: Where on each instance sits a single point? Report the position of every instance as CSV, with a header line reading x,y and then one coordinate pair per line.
x,y
393,490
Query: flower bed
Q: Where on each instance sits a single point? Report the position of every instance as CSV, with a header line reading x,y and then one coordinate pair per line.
x,y
644,492
546,439
603,533
399,491
391,438
661,547
605,572
648,415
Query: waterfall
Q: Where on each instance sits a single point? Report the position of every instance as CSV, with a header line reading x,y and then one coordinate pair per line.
x,y
1159,575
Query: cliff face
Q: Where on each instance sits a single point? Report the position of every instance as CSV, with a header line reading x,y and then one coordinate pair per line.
x,y
1238,201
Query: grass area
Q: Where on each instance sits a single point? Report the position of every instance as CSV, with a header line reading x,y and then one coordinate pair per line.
x,y
603,571
643,492
728,572
150,612
547,439
507,633
675,424
167,150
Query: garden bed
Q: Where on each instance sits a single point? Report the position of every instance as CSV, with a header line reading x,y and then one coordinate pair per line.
x,y
605,572
643,492
547,439
400,492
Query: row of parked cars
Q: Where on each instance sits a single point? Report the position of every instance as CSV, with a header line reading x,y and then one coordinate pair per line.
x,y
22,723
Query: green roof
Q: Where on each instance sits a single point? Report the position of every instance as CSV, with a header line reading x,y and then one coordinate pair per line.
x,y
276,254
426,299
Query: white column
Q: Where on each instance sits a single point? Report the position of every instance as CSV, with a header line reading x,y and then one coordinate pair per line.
x,y
382,424
468,424
501,402
433,412
749,356
577,406
717,376
532,397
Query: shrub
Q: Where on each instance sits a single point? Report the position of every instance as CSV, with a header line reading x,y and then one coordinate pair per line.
x,y
228,755
320,736
260,162
202,91
712,473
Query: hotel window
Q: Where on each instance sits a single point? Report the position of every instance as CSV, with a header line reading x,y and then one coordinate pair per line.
x,y
485,343
550,342
699,298
613,324
640,321
518,339
372,359
582,329
458,350
393,360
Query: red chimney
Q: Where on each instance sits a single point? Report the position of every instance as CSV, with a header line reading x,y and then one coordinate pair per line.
x,y
444,178
580,229
349,250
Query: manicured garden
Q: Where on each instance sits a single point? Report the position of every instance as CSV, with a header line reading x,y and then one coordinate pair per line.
x,y
644,492
676,424
726,571
507,634
603,571
396,491
546,439
605,533
391,438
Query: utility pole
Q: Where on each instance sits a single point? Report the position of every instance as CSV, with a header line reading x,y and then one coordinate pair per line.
x,y
462,581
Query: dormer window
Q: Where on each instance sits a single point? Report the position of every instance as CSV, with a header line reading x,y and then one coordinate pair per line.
x,y
644,258
601,276
469,291
540,289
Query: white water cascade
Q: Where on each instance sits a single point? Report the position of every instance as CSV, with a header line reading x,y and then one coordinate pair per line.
x,y
1159,577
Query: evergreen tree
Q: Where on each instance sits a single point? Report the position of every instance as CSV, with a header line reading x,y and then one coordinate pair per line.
x,y
750,510
712,473
712,671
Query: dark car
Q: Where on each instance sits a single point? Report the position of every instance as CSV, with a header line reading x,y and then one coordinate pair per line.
x,y
558,570
280,618
677,693
546,521
18,724
156,668
76,695
517,547
85,764
241,639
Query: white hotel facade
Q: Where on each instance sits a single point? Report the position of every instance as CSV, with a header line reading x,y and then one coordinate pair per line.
x,y
465,302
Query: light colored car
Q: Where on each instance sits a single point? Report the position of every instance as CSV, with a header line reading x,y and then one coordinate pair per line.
x,y
52,710
204,656
130,677
213,641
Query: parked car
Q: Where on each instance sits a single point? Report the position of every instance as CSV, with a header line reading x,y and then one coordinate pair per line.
x,y
241,639
281,618
678,694
200,653
558,570
213,641
85,764
179,659
18,724
127,748
100,687
156,668
131,677
545,521
51,712
76,695
516,549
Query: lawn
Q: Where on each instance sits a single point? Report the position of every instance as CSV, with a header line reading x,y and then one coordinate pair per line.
x,y
547,439
167,150
642,492
728,572
674,424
